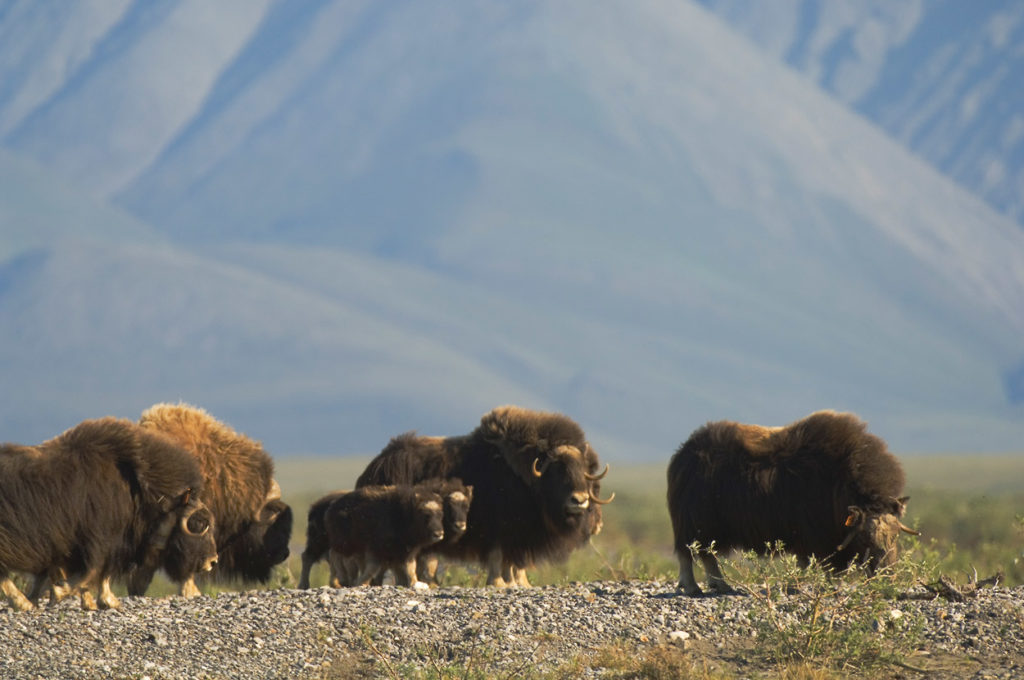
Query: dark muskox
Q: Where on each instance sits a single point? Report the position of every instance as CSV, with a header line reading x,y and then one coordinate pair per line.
x,y
317,544
534,478
253,525
381,527
96,501
456,498
823,487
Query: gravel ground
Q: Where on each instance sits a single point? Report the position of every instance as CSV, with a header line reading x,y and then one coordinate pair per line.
x,y
385,631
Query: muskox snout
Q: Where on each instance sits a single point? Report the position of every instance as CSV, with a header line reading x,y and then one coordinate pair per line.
x,y
460,526
438,535
210,564
577,503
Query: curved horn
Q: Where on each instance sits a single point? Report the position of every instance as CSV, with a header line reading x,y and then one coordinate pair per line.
x,y
597,500
904,527
536,472
274,493
184,524
598,476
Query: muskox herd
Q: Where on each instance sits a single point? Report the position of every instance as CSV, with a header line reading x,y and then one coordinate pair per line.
x,y
179,491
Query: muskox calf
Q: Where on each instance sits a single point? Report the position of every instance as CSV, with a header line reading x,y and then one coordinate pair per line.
x,y
823,487
317,544
96,501
456,499
253,525
535,478
382,527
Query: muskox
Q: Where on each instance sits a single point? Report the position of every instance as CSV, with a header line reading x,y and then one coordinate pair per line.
x,y
456,498
381,527
823,487
253,525
533,475
96,501
317,544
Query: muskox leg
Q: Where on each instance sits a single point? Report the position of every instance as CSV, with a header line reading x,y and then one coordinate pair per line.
x,y
405,574
189,587
57,581
344,569
687,583
514,575
426,569
716,581
83,588
39,582
307,564
17,598
495,569
368,570
139,579
107,599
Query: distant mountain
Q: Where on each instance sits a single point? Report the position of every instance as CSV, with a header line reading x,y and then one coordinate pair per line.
x,y
944,77
331,222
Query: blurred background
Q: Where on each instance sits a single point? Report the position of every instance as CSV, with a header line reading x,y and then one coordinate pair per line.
x,y
328,222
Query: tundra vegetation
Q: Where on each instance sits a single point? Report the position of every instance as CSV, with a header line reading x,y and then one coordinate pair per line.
x,y
968,509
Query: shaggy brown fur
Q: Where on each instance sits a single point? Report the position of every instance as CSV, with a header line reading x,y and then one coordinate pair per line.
x,y
96,501
253,525
381,527
456,496
317,544
533,475
823,486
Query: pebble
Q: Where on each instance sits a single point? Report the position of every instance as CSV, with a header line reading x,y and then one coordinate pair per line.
x,y
294,633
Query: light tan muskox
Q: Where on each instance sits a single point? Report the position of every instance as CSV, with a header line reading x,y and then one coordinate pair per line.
x,y
253,525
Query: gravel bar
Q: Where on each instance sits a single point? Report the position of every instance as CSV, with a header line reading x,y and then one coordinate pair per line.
x,y
314,633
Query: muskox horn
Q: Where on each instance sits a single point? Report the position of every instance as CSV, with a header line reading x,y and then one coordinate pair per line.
x,y
598,500
536,472
184,524
596,477
274,493
904,527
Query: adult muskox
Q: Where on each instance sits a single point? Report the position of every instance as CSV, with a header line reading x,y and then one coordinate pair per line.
x,y
94,502
253,525
533,475
823,486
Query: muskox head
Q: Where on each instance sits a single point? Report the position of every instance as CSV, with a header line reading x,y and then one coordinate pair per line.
x,y
428,518
568,488
191,547
872,533
456,509
262,543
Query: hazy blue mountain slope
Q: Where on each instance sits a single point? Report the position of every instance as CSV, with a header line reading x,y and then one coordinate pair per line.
x,y
388,216
38,209
144,78
90,330
944,77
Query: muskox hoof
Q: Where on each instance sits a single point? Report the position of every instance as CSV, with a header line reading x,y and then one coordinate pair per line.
x,y
109,602
689,591
88,602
